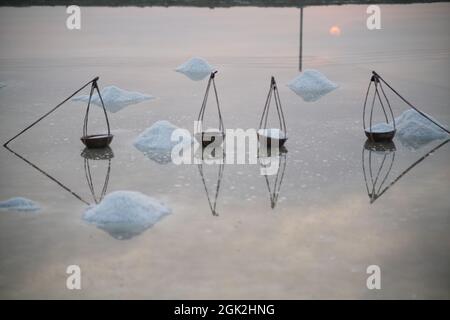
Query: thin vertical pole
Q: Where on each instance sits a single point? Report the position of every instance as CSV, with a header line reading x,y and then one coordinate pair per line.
x,y
301,41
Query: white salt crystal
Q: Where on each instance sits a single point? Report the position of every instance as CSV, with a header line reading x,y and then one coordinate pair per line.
x,y
381,128
195,69
272,133
311,85
19,204
156,141
115,99
414,130
125,214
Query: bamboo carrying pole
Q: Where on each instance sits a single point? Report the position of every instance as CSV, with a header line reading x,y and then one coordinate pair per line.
x,y
408,103
93,81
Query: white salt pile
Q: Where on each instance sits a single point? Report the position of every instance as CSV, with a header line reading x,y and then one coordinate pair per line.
x,y
413,130
125,214
195,69
115,99
311,85
19,204
156,141
272,133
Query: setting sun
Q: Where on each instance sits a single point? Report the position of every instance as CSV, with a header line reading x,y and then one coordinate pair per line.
x,y
335,31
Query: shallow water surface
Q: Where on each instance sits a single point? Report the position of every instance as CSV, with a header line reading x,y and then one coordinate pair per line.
x,y
310,234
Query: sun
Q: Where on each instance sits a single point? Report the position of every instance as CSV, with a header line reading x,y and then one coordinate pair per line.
x,y
335,31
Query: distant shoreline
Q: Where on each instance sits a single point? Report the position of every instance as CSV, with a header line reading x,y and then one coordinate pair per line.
x,y
202,3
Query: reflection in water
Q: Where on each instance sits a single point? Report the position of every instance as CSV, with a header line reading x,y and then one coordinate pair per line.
x,y
47,175
216,157
122,231
87,154
268,157
160,156
97,155
384,152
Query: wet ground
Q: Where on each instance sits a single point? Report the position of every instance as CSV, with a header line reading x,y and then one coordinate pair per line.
x,y
314,239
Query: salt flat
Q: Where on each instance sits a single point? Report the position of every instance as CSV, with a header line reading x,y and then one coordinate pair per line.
x,y
323,232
